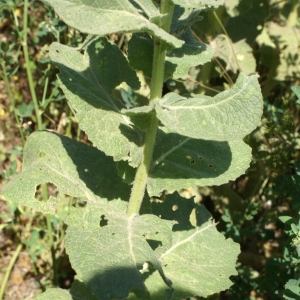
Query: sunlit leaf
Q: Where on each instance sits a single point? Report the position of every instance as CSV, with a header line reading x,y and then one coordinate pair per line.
x,y
199,3
230,115
76,169
88,81
115,251
115,16
210,257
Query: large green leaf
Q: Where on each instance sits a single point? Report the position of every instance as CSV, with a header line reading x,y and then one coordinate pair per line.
x,y
108,259
199,3
88,81
180,162
104,17
75,168
200,260
228,116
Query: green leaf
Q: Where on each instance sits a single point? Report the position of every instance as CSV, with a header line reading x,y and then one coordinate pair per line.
x,y
88,81
296,90
104,256
115,16
156,289
140,116
228,116
180,162
192,53
292,290
285,219
75,168
210,258
286,39
140,53
177,209
251,19
78,291
55,293
179,60
203,4
240,58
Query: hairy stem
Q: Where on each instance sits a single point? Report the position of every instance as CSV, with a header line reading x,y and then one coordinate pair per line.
x,y
140,182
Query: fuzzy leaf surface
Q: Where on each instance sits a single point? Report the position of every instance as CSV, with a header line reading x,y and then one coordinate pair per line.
x,y
192,53
180,162
230,115
88,81
75,168
210,257
104,17
203,4
116,251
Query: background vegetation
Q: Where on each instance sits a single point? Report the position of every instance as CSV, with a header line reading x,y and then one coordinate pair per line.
x,y
259,210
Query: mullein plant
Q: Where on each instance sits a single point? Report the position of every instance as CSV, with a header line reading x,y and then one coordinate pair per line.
x,y
121,244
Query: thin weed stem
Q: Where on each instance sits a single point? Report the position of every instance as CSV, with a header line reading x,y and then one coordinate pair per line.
x,y
9,270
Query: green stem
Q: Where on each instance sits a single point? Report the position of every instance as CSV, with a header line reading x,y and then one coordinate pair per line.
x,y
28,69
9,269
51,242
141,177
69,126
45,196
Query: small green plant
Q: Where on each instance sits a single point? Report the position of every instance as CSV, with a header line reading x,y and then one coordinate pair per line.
x,y
121,244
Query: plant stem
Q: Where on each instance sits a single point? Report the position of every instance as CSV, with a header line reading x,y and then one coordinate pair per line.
x,y
9,269
141,177
28,70
45,196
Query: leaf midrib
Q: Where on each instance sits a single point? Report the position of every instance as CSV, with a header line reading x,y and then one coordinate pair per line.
x,y
187,240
